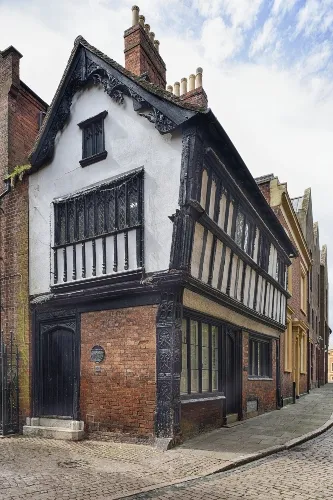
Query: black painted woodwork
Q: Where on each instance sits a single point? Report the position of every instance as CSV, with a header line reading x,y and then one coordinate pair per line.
x,y
56,363
108,209
93,139
88,66
168,363
208,223
231,380
260,357
57,359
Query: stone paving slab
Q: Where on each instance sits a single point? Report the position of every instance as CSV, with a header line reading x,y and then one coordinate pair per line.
x,y
280,426
36,468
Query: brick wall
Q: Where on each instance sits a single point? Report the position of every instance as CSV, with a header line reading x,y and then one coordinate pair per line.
x,y
121,397
19,113
142,57
197,97
263,390
200,417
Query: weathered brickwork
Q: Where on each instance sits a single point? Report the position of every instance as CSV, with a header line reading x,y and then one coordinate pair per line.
x,y
200,417
197,97
263,390
142,57
19,119
119,394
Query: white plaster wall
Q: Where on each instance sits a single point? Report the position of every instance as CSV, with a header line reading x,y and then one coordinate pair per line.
x,y
131,142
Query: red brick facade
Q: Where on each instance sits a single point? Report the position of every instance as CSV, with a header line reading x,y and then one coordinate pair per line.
x,y
197,97
121,396
200,417
262,390
141,56
19,119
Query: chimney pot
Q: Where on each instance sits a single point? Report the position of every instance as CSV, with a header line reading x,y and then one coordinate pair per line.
x,y
176,89
191,82
152,36
183,86
157,45
147,28
198,78
170,88
135,15
142,20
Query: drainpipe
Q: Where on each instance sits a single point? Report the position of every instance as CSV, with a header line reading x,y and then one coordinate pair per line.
x,y
2,195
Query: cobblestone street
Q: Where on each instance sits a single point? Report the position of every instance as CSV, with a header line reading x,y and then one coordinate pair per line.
x,y
36,468
302,473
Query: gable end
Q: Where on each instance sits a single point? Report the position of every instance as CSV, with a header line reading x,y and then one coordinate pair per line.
x,y
86,68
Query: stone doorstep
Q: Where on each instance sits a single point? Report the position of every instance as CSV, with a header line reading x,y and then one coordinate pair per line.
x,y
54,428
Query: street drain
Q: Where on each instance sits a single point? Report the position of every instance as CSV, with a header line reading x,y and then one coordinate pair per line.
x,y
72,464
299,449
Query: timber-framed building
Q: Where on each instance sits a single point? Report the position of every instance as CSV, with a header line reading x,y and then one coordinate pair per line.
x,y
157,269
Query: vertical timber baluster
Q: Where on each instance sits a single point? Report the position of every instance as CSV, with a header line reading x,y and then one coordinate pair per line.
x,y
104,255
74,263
93,257
55,265
115,253
64,253
126,249
83,259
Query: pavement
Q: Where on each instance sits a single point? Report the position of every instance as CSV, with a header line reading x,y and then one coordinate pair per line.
x,y
35,468
304,472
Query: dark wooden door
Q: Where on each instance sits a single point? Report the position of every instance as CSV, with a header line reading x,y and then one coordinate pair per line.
x,y
57,372
231,377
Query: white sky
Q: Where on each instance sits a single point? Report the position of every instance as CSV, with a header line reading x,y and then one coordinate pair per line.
x,y
267,64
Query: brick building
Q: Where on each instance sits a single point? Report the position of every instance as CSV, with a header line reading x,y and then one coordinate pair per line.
x,y
295,340
303,208
20,114
324,329
157,285
308,287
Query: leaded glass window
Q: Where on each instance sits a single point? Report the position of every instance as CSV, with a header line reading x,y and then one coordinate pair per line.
x,y
93,139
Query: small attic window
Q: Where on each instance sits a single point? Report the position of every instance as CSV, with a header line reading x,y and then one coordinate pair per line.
x,y
93,139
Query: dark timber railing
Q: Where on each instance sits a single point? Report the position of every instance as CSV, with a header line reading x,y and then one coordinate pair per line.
x,y
9,387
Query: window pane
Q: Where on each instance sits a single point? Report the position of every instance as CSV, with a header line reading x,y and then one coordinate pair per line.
x,y
88,141
183,378
205,357
246,237
99,137
194,357
215,358
239,228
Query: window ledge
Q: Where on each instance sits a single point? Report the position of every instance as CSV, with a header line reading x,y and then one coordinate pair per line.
x,y
192,398
93,159
260,378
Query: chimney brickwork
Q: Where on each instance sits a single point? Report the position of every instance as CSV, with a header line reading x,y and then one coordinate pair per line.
x,y
142,51
191,90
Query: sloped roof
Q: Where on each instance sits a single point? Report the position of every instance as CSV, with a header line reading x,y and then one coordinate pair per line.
x,y
88,64
264,178
169,112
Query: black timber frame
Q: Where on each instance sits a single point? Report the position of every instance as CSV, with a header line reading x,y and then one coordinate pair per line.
x,y
44,321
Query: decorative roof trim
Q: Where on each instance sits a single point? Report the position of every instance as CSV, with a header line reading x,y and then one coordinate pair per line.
x,y
88,66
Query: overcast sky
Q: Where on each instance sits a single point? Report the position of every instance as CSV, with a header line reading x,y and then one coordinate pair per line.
x,y
267,64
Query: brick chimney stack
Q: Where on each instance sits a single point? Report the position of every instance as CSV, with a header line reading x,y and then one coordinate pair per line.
x,y
142,51
194,92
